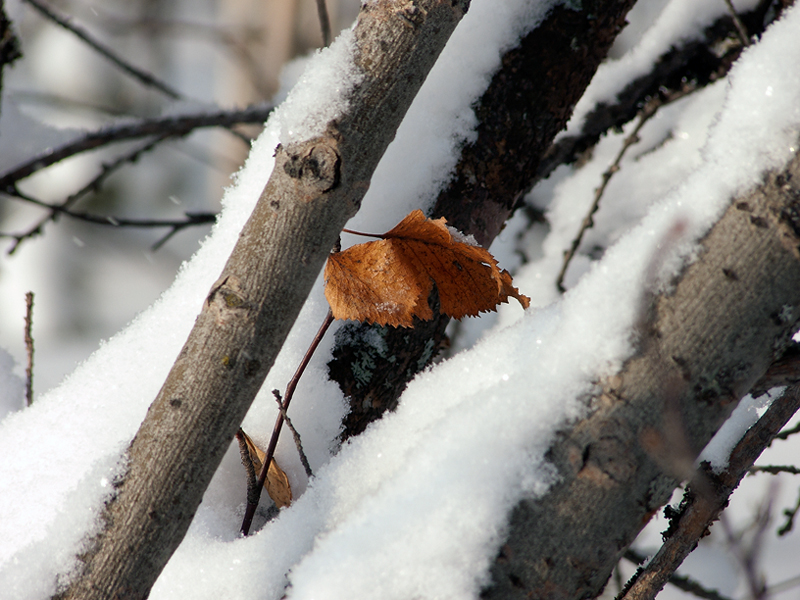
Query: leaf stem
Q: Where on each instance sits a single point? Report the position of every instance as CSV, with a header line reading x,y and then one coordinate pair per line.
x,y
375,235
250,511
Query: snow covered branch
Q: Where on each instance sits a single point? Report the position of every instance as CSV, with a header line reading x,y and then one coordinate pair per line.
x,y
322,170
710,339
704,502
526,104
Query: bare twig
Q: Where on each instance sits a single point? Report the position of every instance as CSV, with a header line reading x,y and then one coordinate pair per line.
x,y
698,511
29,348
645,114
783,435
741,30
276,432
790,514
297,441
682,582
776,469
324,22
135,72
191,219
65,205
748,554
163,127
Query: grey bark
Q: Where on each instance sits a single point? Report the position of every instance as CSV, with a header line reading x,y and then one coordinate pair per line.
x,y
705,345
315,187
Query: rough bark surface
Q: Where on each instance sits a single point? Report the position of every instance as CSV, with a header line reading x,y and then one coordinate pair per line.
x,y
729,316
528,101
315,187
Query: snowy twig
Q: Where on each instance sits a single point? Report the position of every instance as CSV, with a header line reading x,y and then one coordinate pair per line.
x,y
682,582
247,521
645,114
698,511
140,75
164,127
324,22
691,61
29,348
295,434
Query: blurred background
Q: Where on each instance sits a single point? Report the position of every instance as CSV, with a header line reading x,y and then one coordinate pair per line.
x,y
90,280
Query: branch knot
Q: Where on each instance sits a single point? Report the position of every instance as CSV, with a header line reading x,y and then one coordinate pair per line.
x,y
316,164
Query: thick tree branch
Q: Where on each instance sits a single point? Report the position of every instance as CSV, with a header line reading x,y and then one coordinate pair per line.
x,y
712,338
696,62
528,101
315,187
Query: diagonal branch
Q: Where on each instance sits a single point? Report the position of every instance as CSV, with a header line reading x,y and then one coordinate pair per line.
x,y
316,185
164,127
713,339
135,72
699,511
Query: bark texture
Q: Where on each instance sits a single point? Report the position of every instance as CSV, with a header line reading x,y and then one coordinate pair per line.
x,y
315,187
528,101
729,316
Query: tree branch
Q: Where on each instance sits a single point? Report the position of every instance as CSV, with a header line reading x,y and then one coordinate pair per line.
x,y
163,127
528,101
315,187
712,340
135,72
698,511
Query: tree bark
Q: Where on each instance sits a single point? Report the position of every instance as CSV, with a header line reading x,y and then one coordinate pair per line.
x,y
729,316
315,187
528,101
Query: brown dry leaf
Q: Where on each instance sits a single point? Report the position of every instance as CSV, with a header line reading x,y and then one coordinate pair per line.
x,y
277,483
388,281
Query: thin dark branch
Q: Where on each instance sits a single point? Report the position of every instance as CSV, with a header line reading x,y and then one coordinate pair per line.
x,y
295,434
324,22
741,30
776,469
276,432
135,72
29,348
698,511
783,435
64,206
164,127
682,582
645,114
790,514
693,60
192,219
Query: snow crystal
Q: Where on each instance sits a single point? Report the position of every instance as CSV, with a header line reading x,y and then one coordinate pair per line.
x,y
321,94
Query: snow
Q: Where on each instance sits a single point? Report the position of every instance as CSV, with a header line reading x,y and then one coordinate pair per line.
x,y
302,114
418,505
